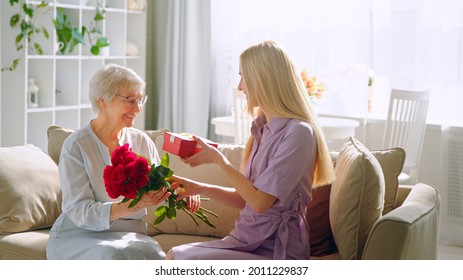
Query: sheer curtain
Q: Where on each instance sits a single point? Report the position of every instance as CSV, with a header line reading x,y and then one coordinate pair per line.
x,y
179,65
410,44
407,44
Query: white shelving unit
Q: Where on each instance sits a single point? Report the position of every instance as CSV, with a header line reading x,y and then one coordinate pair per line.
x,y
63,79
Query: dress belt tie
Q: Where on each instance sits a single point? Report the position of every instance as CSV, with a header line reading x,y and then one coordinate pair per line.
x,y
282,236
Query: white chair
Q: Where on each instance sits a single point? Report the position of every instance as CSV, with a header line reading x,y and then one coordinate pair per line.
x,y
405,127
242,118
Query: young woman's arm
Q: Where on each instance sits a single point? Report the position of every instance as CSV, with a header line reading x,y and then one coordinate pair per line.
x,y
257,199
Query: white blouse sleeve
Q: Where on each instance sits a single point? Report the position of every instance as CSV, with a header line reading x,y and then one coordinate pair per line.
x,y
79,202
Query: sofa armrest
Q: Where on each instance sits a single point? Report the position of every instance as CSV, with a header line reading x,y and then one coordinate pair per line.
x,y
410,231
402,194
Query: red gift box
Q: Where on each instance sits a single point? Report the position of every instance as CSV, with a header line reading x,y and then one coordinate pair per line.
x,y
182,145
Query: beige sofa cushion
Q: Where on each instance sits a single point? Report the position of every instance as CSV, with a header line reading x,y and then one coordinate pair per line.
x,y
392,162
30,193
29,245
56,137
356,199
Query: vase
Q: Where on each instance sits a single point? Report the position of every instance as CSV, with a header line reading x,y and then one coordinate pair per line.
x,y
32,94
370,98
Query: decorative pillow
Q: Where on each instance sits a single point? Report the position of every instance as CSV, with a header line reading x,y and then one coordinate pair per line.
x,y
211,174
321,237
30,193
391,161
356,199
56,137
318,218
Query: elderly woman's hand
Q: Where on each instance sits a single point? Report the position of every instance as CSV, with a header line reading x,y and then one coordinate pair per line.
x,y
152,198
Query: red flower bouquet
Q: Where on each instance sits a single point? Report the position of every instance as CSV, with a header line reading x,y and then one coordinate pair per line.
x,y
131,176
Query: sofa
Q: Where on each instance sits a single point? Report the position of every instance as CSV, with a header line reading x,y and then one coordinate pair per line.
x,y
364,214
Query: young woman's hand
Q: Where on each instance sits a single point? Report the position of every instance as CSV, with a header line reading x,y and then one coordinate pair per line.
x,y
193,202
208,154
187,189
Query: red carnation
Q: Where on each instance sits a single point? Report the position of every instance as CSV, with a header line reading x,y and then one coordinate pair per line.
x,y
141,166
119,154
128,190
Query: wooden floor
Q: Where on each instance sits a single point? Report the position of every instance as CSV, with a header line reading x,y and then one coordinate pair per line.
x,y
450,252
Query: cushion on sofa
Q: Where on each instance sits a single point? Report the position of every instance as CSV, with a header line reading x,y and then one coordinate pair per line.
x,y
30,193
56,136
321,237
318,218
356,199
391,161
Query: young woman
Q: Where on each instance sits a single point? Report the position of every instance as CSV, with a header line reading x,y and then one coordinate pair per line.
x,y
285,157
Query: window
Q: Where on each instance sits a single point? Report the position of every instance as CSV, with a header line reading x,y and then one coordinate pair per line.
x,y
407,44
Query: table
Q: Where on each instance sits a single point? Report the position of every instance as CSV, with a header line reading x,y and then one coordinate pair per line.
x,y
333,128
338,128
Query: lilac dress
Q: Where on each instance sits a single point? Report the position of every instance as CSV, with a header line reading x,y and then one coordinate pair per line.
x,y
282,163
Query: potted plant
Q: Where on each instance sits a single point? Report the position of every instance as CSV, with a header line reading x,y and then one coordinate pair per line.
x,y
24,21
68,35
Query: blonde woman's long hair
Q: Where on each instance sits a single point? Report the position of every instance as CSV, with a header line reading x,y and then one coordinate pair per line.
x,y
274,86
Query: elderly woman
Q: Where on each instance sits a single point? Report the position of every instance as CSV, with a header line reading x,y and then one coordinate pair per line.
x,y
92,225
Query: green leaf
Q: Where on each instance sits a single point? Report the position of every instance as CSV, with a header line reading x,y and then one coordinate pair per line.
x,y
43,4
165,160
28,10
160,210
12,2
171,213
102,42
163,172
76,35
13,65
136,200
38,48
19,38
60,19
125,199
160,219
45,32
84,31
14,20
25,26
95,50
172,202
98,16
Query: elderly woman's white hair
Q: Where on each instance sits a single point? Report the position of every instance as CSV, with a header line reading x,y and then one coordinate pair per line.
x,y
110,80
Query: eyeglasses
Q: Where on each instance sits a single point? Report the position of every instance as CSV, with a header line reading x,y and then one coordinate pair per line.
x,y
133,102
